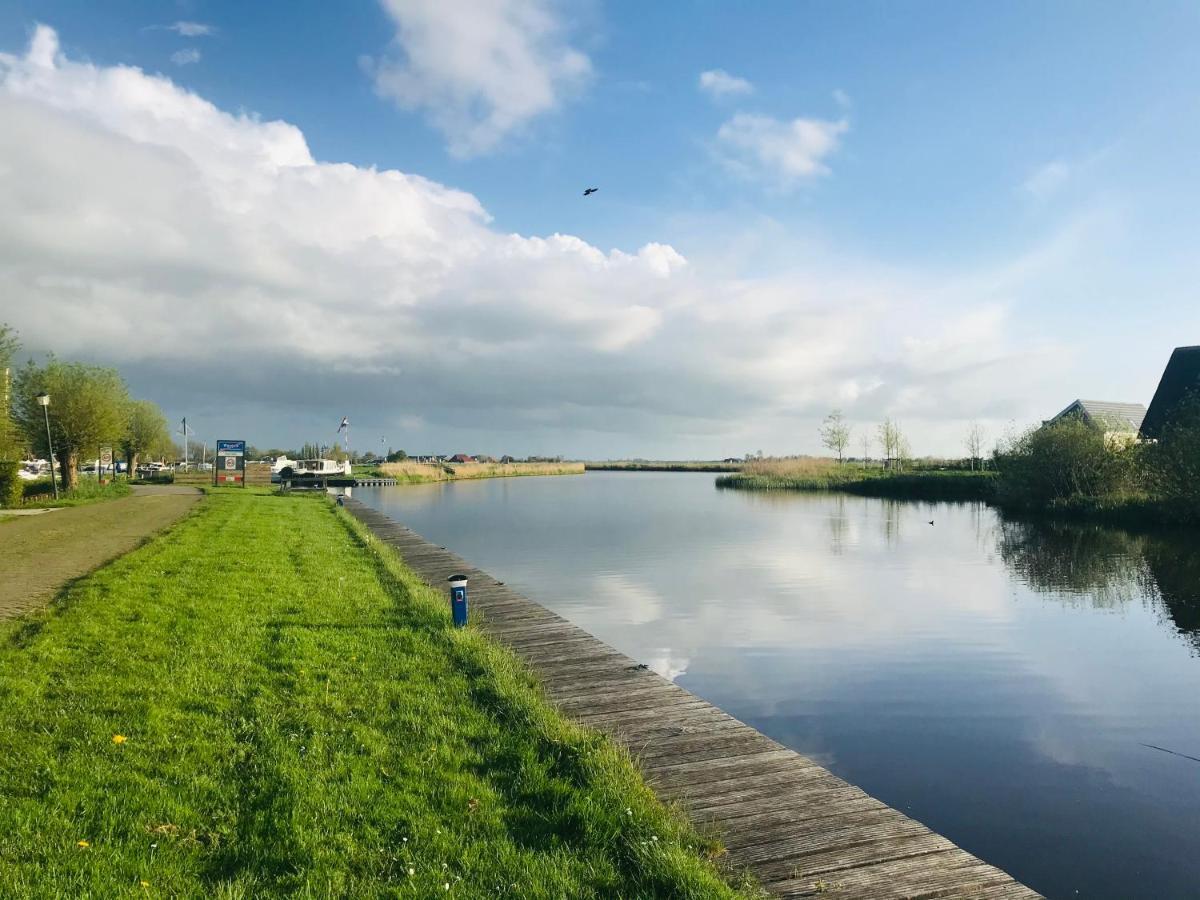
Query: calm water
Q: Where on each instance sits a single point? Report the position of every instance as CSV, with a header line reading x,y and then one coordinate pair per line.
x,y
995,680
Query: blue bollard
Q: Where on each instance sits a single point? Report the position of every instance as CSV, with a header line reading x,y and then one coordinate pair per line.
x,y
458,599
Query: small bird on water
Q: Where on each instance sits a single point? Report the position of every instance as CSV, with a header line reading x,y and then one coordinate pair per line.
x,y
931,521
590,191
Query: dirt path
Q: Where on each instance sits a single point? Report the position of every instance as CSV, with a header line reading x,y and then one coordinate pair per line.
x,y
39,554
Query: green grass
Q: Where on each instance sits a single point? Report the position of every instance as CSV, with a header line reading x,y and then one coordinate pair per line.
x,y
875,482
300,719
87,490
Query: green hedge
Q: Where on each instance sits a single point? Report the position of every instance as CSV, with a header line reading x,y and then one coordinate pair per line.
x,y
11,488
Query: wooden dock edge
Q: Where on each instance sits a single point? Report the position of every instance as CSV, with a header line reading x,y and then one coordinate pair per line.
x,y
801,830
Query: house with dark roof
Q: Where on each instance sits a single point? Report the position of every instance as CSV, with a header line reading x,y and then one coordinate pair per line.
x,y
461,458
1180,378
1120,422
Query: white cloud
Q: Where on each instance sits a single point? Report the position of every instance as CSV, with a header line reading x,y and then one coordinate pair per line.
x,y
185,57
212,258
478,76
719,83
778,150
192,29
1046,180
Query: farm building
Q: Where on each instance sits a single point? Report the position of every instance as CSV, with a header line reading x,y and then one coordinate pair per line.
x,y
1118,421
1179,378
461,458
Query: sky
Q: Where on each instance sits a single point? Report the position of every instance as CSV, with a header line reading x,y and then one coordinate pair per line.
x,y
269,216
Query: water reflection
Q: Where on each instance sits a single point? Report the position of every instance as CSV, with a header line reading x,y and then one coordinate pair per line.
x,y
1107,568
997,680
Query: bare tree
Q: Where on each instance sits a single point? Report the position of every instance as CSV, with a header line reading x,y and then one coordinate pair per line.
x,y
893,443
835,434
865,442
974,443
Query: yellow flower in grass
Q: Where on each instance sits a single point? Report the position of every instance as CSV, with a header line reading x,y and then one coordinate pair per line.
x,y
119,739
83,844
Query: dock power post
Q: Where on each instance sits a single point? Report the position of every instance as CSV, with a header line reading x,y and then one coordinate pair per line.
x,y
458,599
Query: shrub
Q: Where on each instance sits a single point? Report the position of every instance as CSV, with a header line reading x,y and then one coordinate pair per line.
x,y
1065,461
11,488
1173,463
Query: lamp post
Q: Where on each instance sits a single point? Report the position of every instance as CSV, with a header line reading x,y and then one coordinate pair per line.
x,y
44,402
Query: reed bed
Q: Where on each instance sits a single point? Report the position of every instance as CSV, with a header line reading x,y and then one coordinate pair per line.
x,y
420,473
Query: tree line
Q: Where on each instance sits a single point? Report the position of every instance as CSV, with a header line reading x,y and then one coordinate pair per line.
x,y
90,408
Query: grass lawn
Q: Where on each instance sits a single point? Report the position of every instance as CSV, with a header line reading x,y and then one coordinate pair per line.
x,y
264,702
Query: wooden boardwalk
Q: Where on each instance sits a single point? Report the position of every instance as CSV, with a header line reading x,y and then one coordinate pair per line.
x,y
800,829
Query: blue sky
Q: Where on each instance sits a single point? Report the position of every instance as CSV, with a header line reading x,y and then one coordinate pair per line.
x,y
1012,184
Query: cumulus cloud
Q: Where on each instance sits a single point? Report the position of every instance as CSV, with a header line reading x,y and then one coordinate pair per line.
x,y
482,76
781,151
219,264
185,57
719,83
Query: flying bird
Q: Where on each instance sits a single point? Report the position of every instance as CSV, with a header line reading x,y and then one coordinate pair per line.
x,y
590,191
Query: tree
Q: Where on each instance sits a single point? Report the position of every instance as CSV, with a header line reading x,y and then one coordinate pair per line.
x,y
10,440
835,434
891,439
89,406
974,444
397,456
146,433
865,442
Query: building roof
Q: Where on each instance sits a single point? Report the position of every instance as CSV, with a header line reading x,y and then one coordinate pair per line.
x,y
1107,414
1181,375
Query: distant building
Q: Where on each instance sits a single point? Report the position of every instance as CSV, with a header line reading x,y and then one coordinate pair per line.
x,y
508,459
1179,378
461,458
1120,422
731,459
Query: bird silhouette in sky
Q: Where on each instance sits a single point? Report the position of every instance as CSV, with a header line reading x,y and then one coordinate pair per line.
x,y
590,191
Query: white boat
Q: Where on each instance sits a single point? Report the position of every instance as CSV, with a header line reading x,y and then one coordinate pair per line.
x,y
315,468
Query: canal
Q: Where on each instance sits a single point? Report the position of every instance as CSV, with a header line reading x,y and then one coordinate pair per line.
x,y
1023,688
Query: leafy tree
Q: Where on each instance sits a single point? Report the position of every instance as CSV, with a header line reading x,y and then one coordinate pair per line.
x,y
146,433
1173,463
397,456
11,443
89,406
835,434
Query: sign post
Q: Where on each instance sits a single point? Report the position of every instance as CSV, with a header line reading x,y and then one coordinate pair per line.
x,y
105,463
229,466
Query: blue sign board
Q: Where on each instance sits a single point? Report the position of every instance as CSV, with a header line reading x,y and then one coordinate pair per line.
x,y
230,465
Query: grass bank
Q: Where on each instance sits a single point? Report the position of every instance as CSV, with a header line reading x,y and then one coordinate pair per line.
x,y
642,465
263,701
40,494
827,475
422,473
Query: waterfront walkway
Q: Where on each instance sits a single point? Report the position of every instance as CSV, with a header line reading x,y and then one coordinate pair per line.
x,y
800,829
39,554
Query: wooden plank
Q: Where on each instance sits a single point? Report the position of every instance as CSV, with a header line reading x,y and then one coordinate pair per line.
x,y
802,831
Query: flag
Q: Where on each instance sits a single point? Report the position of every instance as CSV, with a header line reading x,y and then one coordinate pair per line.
x,y
345,424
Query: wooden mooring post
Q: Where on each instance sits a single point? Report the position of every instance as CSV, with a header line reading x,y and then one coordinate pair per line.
x,y
801,830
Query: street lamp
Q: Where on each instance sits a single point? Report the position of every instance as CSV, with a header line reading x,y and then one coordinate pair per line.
x,y
44,402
